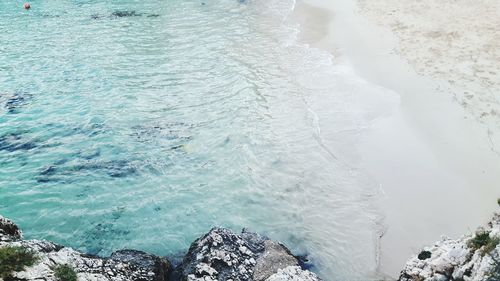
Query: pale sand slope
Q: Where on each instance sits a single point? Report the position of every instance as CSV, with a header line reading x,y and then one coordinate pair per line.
x,y
436,164
454,40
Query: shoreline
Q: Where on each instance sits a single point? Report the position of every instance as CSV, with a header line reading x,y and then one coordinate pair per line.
x,y
451,155
224,255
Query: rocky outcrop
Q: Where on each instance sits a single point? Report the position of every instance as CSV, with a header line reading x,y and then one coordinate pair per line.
x,y
120,266
219,255
293,273
9,230
224,255
471,258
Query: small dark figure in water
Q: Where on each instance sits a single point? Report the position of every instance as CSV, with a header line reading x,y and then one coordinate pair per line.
x,y
27,6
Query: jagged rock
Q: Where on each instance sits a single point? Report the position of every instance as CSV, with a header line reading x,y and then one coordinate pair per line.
x,y
9,230
293,273
144,261
124,265
275,257
450,259
224,255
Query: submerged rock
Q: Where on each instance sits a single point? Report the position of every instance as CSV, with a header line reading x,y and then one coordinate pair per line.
x,y
470,258
293,273
224,255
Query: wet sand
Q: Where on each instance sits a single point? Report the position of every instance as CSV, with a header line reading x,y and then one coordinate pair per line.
x,y
436,160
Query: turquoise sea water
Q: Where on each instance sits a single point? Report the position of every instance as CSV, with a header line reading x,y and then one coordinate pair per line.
x,y
142,124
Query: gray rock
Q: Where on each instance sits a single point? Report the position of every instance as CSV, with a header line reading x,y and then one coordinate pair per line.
x,y
455,259
155,266
293,273
9,231
124,265
275,257
219,255
224,255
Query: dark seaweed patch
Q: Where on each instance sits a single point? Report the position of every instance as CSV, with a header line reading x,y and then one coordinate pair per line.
x,y
46,175
119,168
48,171
89,155
45,180
50,16
114,169
61,161
99,237
122,14
13,142
65,130
16,101
172,135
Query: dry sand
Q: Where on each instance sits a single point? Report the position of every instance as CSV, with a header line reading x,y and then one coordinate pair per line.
x,y
436,155
453,40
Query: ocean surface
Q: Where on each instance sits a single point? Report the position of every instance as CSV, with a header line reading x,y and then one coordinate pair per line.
x,y
142,124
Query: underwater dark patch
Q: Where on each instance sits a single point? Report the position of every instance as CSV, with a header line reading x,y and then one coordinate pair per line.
x,y
66,130
89,155
171,135
48,171
115,168
122,14
14,141
119,168
45,180
16,101
100,235
50,16
304,262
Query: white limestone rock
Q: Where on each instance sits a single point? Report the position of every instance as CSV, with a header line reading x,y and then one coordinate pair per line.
x,y
455,259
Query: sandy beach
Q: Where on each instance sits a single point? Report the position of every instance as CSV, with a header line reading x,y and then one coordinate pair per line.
x,y
353,132
435,152
453,41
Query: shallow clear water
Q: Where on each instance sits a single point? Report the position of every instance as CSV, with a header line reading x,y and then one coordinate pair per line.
x,y
143,130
